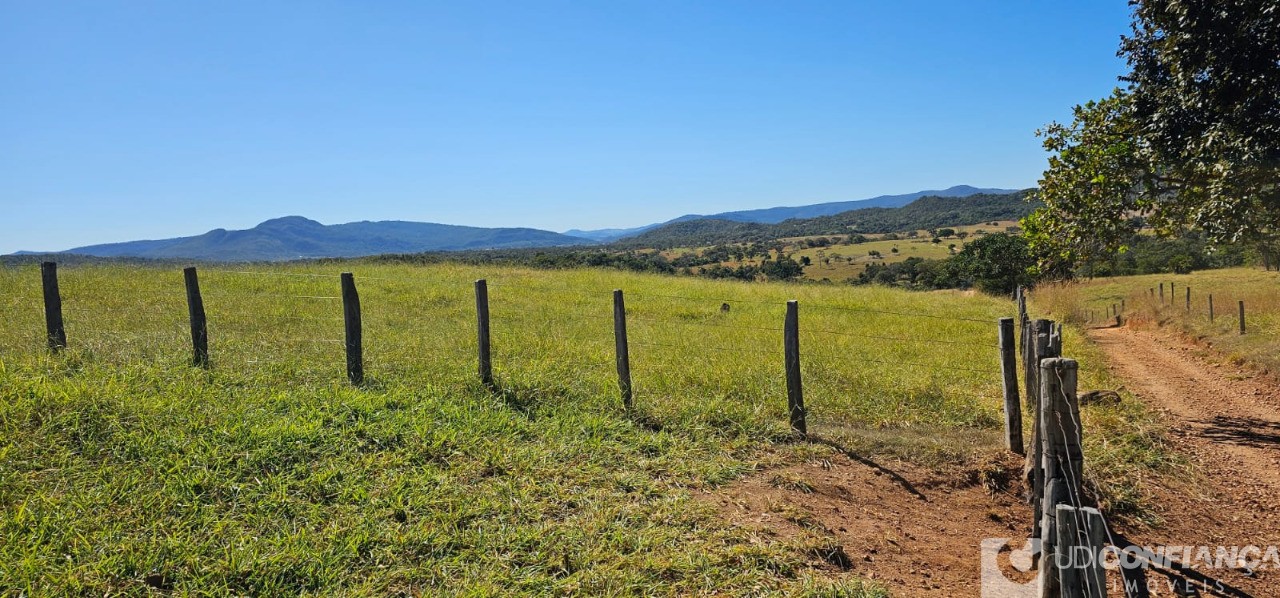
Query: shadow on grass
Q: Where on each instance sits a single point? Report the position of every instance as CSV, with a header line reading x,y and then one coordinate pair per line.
x,y
893,475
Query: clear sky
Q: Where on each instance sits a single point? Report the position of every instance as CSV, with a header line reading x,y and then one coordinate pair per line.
x,y
153,119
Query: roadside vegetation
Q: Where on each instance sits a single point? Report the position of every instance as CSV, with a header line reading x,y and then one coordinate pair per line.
x,y
1260,345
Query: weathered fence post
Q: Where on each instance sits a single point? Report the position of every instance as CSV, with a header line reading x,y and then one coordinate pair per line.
x,y
1210,307
1188,298
1162,293
1012,403
1122,307
1022,320
195,312
1063,458
354,331
482,333
1095,573
1043,349
1063,561
55,331
620,347
1241,316
791,358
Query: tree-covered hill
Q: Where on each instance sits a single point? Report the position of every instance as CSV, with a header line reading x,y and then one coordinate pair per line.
x,y
924,213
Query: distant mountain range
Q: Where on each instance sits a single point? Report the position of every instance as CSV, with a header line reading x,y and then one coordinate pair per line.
x,y
295,237
780,214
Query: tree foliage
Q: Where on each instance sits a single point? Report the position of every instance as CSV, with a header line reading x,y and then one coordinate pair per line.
x,y
994,264
1092,184
1194,141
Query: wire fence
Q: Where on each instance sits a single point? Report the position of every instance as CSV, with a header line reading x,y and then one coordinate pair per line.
x,y
252,318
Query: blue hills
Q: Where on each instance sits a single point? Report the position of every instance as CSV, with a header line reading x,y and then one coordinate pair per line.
x,y
295,237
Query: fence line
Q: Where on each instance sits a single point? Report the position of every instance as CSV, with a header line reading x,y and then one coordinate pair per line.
x,y
648,334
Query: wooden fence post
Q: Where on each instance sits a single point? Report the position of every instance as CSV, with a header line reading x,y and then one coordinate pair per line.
x,y
1210,307
1062,455
195,312
354,330
1095,574
620,347
791,358
1188,298
482,333
1043,349
1162,293
1022,320
1079,552
55,331
1122,307
1241,316
1066,538
1012,403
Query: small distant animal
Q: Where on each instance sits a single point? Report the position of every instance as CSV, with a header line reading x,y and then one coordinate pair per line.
x,y
724,308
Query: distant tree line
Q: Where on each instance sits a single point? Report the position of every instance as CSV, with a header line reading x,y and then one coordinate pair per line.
x,y
926,213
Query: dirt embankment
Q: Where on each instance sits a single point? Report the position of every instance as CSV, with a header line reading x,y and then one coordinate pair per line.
x,y
918,532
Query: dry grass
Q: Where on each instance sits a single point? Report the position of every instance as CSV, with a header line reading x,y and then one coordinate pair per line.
x,y
1259,289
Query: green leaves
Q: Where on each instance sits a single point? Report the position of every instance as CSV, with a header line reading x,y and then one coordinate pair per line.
x,y
1193,142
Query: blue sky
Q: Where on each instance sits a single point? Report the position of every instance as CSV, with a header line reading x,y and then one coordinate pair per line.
x,y
127,120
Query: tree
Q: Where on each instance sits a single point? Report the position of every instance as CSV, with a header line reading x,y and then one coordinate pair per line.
x,y
996,264
1089,188
1194,141
783,268
1205,78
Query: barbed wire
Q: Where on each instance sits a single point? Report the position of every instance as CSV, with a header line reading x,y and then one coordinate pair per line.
x,y
917,340
933,366
907,314
267,295
695,348
269,274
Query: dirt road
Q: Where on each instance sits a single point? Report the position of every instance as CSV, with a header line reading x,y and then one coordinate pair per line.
x,y
1227,422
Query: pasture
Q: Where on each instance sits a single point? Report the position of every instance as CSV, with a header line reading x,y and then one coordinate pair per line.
x,y
123,468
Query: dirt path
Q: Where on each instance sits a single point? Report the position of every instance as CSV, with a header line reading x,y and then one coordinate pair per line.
x,y
1225,420
917,531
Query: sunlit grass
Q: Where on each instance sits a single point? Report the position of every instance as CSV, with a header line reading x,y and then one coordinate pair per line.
x,y
1259,289
121,466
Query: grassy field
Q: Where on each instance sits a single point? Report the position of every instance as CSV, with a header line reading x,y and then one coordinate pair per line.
x,y
124,469
1259,289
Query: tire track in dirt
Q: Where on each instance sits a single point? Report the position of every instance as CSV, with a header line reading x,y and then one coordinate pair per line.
x,y
1224,420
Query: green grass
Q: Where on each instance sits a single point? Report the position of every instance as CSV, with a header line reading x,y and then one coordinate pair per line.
x,y
123,468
